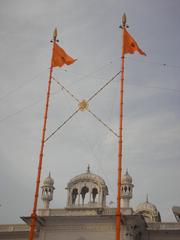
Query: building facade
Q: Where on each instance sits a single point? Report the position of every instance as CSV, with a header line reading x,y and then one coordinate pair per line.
x,y
87,216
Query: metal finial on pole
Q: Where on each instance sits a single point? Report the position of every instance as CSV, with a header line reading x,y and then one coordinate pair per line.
x,y
55,34
124,20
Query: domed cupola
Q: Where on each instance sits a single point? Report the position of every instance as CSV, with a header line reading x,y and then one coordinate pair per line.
x,y
86,190
126,189
47,191
149,211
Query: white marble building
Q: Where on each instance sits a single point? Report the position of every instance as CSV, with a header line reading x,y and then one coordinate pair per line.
x,y
87,216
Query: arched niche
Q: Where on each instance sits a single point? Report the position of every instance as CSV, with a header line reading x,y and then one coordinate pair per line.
x,y
84,195
74,196
94,194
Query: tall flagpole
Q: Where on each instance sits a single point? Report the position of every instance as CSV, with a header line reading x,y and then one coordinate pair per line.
x,y
33,215
118,210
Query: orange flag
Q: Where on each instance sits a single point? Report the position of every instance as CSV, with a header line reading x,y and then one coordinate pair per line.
x,y
130,45
60,57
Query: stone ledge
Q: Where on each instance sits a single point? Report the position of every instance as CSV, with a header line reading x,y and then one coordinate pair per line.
x,y
163,226
14,227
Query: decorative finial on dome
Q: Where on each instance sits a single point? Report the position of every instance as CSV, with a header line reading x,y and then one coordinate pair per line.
x,y
88,168
147,198
126,173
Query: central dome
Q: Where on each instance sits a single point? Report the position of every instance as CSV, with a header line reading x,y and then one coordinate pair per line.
x,y
87,177
87,190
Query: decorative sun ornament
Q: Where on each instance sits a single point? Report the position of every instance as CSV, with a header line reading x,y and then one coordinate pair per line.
x,y
83,105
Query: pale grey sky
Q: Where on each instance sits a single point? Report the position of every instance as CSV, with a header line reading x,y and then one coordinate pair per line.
x,y
88,30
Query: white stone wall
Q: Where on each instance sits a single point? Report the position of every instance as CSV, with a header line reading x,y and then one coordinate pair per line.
x,y
165,235
93,227
84,228
83,235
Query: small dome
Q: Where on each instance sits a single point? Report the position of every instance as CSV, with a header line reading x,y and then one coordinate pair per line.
x,y
146,206
49,181
149,211
126,178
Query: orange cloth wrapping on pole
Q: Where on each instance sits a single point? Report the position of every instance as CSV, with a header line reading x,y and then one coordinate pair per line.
x,y
60,57
130,45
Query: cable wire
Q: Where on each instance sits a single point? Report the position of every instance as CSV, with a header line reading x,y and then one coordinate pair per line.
x,y
12,91
152,62
19,111
77,100
104,124
155,63
154,87
96,93
24,108
67,120
67,91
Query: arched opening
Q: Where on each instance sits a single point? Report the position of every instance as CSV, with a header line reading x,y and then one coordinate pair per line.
x,y
94,194
74,196
84,192
46,191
